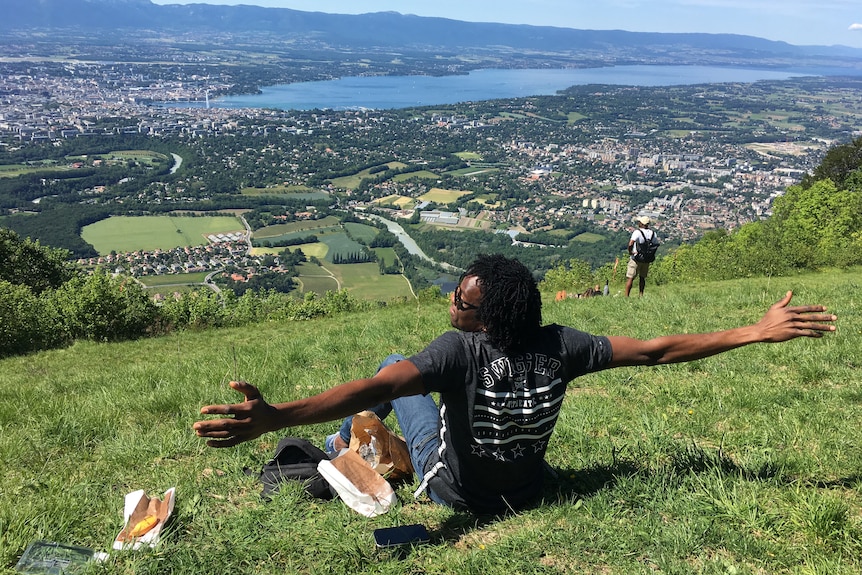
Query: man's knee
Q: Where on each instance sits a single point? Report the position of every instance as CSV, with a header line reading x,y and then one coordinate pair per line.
x,y
393,358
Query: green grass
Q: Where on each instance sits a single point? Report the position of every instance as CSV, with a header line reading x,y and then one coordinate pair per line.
x,y
362,281
362,232
293,227
340,244
133,233
352,182
420,174
442,196
589,238
747,462
15,170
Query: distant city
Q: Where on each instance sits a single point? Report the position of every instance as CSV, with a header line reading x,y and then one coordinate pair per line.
x,y
692,157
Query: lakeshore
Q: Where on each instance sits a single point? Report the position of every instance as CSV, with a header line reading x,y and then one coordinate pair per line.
x,y
395,92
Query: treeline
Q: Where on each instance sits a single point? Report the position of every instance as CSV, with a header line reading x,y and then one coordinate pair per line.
x,y
360,257
284,242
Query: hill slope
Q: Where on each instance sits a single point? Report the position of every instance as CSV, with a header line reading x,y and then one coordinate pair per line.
x,y
749,459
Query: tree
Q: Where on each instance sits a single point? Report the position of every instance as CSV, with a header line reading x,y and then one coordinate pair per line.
x,y
819,225
24,262
838,164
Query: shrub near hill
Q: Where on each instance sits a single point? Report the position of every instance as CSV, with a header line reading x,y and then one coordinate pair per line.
x,y
59,305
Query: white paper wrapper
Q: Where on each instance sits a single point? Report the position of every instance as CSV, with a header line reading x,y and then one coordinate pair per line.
x,y
360,487
138,506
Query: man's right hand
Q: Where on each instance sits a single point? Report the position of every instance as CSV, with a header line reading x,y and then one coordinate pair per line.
x,y
251,419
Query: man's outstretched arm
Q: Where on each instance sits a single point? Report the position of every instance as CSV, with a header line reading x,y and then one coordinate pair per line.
x,y
781,323
254,416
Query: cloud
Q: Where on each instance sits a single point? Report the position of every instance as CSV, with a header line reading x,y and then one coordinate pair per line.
x,y
855,27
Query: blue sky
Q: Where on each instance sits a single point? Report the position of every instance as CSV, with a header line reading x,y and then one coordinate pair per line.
x,y
800,22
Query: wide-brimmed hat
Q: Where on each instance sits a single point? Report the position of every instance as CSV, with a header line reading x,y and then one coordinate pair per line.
x,y
643,220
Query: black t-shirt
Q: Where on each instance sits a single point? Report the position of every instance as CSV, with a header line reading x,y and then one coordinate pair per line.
x,y
497,412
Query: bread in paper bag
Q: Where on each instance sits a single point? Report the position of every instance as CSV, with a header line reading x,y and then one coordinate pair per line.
x,y
368,433
359,486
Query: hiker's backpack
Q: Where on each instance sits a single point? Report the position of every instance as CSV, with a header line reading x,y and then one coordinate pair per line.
x,y
295,459
646,249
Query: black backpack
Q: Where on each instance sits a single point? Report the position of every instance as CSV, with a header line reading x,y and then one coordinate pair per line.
x,y
646,248
295,459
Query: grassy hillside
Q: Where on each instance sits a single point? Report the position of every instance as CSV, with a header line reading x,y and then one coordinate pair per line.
x,y
748,462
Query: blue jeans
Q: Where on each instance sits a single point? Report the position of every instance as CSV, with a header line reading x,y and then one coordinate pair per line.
x,y
417,416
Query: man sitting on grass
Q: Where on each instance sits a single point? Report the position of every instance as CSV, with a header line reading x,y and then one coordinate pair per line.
x,y
501,377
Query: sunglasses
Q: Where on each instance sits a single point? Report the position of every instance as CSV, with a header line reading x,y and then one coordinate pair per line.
x,y
460,304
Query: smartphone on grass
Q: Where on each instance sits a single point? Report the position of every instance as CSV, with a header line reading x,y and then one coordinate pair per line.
x,y
400,536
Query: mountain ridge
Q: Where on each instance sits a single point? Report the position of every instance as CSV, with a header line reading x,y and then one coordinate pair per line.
x,y
391,30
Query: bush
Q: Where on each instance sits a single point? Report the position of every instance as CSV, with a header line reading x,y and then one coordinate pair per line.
x,y
574,277
200,309
104,308
26,324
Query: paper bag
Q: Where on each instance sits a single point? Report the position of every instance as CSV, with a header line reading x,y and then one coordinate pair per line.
x,y
360,487
138,507
386,452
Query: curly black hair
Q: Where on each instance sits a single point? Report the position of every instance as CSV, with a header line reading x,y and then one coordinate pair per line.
x,y
511,305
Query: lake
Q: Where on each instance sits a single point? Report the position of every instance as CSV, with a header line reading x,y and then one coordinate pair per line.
x,y
388,92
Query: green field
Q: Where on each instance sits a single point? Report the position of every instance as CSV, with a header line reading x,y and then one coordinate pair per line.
x,y
148,233
318,232
401,202
441,196
143,156
421,174
575,117
15,170
589,238
362,232
352,182
329,231
306,226
317,284
387,255
317,250
340,244
362,281
48,166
